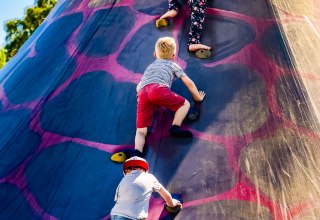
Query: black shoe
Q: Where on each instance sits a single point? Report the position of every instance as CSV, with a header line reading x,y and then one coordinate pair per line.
x,y
138,153
176,131
193,114
133,153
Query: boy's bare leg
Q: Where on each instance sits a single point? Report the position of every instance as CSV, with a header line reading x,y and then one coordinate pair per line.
x,y
170,14
181,113
140,138
195,47
163,20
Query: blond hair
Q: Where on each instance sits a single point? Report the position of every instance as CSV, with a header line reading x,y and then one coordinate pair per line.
x,y
165,48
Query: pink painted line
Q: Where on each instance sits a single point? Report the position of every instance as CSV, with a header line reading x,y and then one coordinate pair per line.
x,y
155,209
70,45
310,76
108,63
253,21
8,106
103,147
49,139
18,179
297,210
241,191
4,99
33,52
106,217
315,135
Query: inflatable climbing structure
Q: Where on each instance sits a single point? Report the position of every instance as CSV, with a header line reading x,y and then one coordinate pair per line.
x,y
68,102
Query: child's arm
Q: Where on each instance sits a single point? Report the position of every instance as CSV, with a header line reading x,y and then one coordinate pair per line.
x,y
167,197
198,96
138,87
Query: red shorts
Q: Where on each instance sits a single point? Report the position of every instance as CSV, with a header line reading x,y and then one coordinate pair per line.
x,y
154,95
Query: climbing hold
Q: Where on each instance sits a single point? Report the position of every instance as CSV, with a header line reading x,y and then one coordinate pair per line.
x,y
119,157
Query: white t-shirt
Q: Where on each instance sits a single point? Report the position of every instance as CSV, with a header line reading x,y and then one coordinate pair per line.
x,y
133,194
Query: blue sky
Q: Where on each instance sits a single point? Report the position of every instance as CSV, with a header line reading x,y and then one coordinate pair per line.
x,y
10,9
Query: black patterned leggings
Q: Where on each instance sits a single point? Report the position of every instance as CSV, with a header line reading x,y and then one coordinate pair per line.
x,y
197,8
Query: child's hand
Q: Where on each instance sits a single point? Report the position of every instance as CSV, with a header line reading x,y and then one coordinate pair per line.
x,y
175,203
201,96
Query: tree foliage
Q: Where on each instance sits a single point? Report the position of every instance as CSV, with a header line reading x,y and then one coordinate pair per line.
x,y
3,58
18,31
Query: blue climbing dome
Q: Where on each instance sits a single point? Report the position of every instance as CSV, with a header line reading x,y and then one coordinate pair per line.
x,y
68,102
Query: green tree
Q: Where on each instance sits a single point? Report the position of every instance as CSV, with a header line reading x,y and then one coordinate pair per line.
x,y
3,57
18,31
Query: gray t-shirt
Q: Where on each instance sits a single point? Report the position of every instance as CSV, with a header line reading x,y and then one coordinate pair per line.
x,y
133,194
161,71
